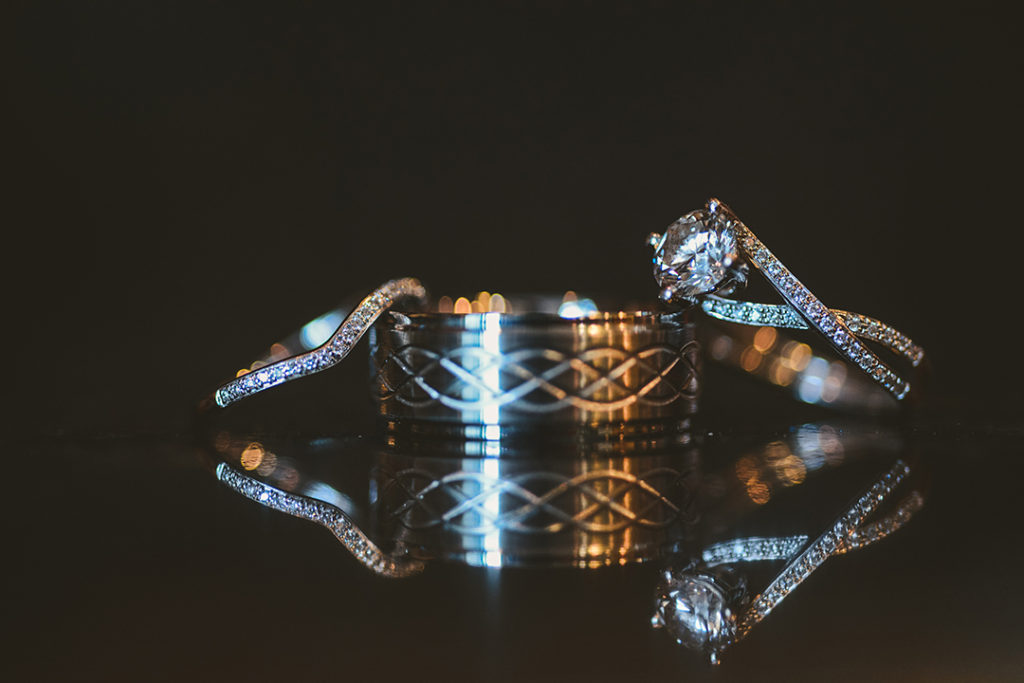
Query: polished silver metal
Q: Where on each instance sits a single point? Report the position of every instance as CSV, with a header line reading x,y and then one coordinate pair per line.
x,y
318,346
587,505
489,372
707,267
580,503
710,609
807,373
391,565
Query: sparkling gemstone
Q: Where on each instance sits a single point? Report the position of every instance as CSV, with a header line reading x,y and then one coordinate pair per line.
x,y
694,255
695,612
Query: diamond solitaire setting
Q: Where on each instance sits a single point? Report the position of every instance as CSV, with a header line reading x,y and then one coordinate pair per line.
x,y
706,253
694,609
695,255
698,608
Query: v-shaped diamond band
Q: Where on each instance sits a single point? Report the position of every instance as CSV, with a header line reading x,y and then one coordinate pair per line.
x,y
325,355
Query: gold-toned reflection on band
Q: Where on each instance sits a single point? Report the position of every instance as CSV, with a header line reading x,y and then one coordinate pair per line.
x,y
793,365
587,512
572,305
483,302
483,374
613,503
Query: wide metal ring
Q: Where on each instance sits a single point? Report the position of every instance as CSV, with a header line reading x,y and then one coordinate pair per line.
x,y
545,362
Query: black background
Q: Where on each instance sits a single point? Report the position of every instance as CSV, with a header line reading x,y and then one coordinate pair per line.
x,y
188,182
191,182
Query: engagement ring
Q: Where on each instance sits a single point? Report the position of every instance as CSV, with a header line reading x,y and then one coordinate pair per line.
x,y
705,256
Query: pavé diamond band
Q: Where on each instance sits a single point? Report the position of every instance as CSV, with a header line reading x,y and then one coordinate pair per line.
x,y
710,610
319,345
581,365
705,255
488,368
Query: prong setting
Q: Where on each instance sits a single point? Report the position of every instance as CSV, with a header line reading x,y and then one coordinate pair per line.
x,y
706,255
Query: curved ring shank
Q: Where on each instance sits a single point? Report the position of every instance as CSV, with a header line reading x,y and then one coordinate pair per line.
x,y
834,325
835,540
340,524
326,355
777,315
757,549
810,375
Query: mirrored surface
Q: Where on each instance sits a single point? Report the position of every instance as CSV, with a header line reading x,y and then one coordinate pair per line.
x,y
733,525
143,541
188,185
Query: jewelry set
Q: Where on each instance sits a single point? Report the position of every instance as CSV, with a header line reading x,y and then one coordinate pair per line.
x,y
469,391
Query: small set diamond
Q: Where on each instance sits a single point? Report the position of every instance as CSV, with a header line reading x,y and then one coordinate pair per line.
x,y
841,537
876,531
328,354
818,315
324,514
775,315
754,549
676,268
705,606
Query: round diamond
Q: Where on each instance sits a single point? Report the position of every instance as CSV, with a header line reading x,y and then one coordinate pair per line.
x,y
694,610
695,255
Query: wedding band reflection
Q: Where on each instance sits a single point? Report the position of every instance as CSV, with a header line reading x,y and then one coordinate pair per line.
x,y
610,503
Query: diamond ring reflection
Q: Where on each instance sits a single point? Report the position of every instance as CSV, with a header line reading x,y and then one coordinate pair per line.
x,y
706,604
706,255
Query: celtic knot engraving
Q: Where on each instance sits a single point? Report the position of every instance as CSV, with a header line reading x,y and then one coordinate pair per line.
x,y
539,379
600,501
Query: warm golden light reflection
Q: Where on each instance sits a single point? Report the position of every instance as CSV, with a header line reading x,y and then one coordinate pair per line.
x,y
791,470
493,302
252,456
781,373
482,302
278,352
776,465
799,356
751,359
785,363
759,491
746,468
243,371
764,339
787,468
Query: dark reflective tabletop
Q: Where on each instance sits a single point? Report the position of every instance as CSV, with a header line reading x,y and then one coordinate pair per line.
x,y
186,185
138,558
